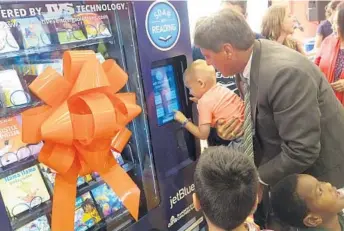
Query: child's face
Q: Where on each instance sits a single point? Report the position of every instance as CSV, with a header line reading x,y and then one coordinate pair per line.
x,y
196,87
322,199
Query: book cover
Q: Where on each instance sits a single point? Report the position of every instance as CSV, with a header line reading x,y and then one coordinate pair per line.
x,y
7,41
34,35
68,29
97,26
86,214
11,89
35,69
12,148
23,190
106,199
40,224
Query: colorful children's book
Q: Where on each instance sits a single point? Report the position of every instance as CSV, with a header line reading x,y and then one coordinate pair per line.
x,y
40,224
106,199
86,214
7,41
97,26
34,35
12,148
23,190
12,89
67,28
37,68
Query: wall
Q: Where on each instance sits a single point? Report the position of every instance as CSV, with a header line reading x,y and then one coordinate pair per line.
x,y
199,8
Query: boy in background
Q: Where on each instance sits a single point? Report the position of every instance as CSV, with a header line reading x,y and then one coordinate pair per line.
x,y
226,185
308,204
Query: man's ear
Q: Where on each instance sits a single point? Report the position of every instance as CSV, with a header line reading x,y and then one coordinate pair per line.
x,y
312,220
196,202
228,50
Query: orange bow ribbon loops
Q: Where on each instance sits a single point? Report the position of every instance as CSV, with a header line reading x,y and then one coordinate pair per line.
x,y
82,120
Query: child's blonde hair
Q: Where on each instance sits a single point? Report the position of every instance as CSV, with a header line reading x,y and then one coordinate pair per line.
x,y
199,69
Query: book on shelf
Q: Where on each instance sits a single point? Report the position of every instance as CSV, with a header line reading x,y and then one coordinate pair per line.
x,y
23,190
106,199
12,148
68,30
97,26
39,224
7,41
86,213
33,32
12,92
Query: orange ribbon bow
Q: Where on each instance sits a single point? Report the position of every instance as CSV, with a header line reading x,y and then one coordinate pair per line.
x,y
82,120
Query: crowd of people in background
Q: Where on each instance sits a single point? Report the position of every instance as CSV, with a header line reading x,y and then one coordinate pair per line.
x,y
291,161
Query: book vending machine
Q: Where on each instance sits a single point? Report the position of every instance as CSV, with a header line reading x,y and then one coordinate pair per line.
x,y
150,42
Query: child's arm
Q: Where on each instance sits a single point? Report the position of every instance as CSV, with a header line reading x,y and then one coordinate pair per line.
x,y
201,132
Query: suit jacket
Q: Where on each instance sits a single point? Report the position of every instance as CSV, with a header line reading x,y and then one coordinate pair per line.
x,y
299,123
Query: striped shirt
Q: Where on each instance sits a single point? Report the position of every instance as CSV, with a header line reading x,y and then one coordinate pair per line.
x,y
228,82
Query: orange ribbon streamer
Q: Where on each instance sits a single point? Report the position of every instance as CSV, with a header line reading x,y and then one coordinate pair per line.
x,y
82,120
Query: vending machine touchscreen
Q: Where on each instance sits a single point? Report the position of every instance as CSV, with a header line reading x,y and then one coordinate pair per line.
x,y
165,93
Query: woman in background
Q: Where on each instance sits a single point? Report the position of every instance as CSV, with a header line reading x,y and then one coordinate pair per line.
x,y
330,57
325,27
278,25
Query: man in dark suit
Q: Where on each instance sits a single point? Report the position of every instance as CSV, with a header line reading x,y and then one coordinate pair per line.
x,y
296,124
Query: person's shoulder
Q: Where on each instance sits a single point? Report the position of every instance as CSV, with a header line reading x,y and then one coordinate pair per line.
x,y
221,90
259,36
331,39
214,94
196,53
285,59
325,23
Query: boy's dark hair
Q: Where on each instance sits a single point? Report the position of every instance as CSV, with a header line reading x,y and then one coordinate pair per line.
x,y
226,183
241,3
286,204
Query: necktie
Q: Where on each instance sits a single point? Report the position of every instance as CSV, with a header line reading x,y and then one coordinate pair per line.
x,y
248,140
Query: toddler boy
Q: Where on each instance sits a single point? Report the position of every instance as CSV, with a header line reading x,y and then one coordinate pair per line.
x,y
214,101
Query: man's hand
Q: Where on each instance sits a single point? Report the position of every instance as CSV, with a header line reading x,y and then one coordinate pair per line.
x,y
229,130
338,85
180,117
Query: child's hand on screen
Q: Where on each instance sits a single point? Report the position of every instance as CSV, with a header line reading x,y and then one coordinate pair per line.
x,y
180,117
